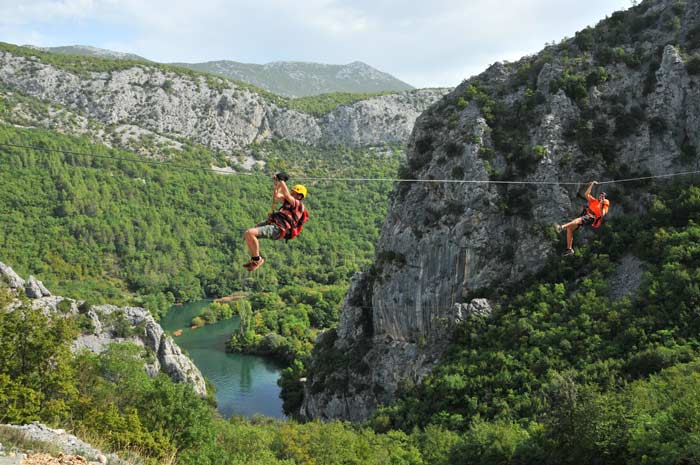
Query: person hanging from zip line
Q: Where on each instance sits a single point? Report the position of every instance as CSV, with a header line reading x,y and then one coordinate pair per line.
x,y
285,223
592,215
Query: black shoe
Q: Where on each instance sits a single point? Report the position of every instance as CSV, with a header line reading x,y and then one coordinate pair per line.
x,y
568,252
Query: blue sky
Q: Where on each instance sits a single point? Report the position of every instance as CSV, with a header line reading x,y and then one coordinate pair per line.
x,y
435,43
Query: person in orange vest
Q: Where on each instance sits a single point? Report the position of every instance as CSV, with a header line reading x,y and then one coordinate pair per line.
x,y
592,215
279,224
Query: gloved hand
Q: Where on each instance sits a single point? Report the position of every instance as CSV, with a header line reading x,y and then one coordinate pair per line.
x,y
281,177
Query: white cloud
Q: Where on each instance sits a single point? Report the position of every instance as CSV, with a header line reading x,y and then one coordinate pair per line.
x,y
436,43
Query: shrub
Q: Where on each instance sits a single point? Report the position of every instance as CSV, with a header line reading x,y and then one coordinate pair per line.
x,y
692,38
597,76
657,125
693,65
490,443
453,149
653,360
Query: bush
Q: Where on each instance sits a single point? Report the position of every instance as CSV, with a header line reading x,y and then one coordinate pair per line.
x,y
657,125
692,38
489,443
654,360
693,65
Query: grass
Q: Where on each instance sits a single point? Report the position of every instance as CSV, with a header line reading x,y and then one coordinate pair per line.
x,y
14,439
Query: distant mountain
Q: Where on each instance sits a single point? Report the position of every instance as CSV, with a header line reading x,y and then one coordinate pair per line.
x,y
286,78
300,79
89,51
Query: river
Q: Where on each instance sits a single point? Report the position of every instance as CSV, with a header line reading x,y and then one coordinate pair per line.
x,y
246,385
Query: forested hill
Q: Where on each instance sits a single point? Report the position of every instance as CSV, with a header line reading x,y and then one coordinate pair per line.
x,y
618,100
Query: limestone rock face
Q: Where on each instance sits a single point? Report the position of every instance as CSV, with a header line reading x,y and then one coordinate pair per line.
x,y
12,278
211,111
445,243
140,328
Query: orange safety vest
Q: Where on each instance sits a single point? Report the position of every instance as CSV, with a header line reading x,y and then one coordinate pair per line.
x,y
597,209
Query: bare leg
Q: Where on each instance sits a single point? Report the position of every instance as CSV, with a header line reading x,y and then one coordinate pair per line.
x,y
251,240
570,227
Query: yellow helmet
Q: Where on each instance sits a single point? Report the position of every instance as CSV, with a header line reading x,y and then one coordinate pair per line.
x,y
299,189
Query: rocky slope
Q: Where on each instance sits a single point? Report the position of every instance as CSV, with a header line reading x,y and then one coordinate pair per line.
x,y
207,110
65,448
299,79
112,324
616,101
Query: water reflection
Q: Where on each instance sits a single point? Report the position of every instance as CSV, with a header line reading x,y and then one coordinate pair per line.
x,y
246,385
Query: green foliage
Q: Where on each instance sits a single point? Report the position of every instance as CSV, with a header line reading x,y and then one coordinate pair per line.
x,y
489,443
35,377
574,86
319,105
693,65
692,38
627,123
596,77
579,370
107,230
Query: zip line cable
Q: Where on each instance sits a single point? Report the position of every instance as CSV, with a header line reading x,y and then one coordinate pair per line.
x,y
341,179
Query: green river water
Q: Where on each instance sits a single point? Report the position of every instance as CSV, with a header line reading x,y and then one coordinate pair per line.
x,y
246,384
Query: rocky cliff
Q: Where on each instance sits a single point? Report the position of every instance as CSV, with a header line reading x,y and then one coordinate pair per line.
x,y
111,324
616,101
214,112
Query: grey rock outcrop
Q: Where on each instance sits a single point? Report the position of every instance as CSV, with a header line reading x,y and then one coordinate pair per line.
x,y
443,243
139,328
627,278
209,110
12,278
35,289
64,441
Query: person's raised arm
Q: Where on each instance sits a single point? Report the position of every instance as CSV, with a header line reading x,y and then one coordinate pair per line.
x,y
284,194
590,188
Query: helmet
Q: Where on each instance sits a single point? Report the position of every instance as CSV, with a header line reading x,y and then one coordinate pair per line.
x,y
299,189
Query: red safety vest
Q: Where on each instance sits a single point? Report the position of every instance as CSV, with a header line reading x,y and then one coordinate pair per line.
x,y
290,219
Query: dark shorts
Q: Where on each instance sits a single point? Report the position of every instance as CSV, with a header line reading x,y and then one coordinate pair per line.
x,y
587,220
268,231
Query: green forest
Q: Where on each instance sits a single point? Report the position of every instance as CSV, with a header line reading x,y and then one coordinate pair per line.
x,y
562,373
101,228
567,370
95,226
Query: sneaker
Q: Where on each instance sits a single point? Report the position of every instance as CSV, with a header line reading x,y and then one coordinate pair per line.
x,y
558,228
248,264
255,264
568,252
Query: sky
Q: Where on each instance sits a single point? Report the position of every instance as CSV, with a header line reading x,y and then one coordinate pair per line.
x,y
425,43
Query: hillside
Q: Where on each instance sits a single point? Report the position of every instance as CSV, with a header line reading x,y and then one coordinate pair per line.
x,y
467,339
218,113
302,79
620,100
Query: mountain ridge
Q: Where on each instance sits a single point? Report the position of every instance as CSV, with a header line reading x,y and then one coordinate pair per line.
x,y
287,78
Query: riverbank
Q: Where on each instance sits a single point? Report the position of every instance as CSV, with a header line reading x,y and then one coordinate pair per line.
x,y
245,385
